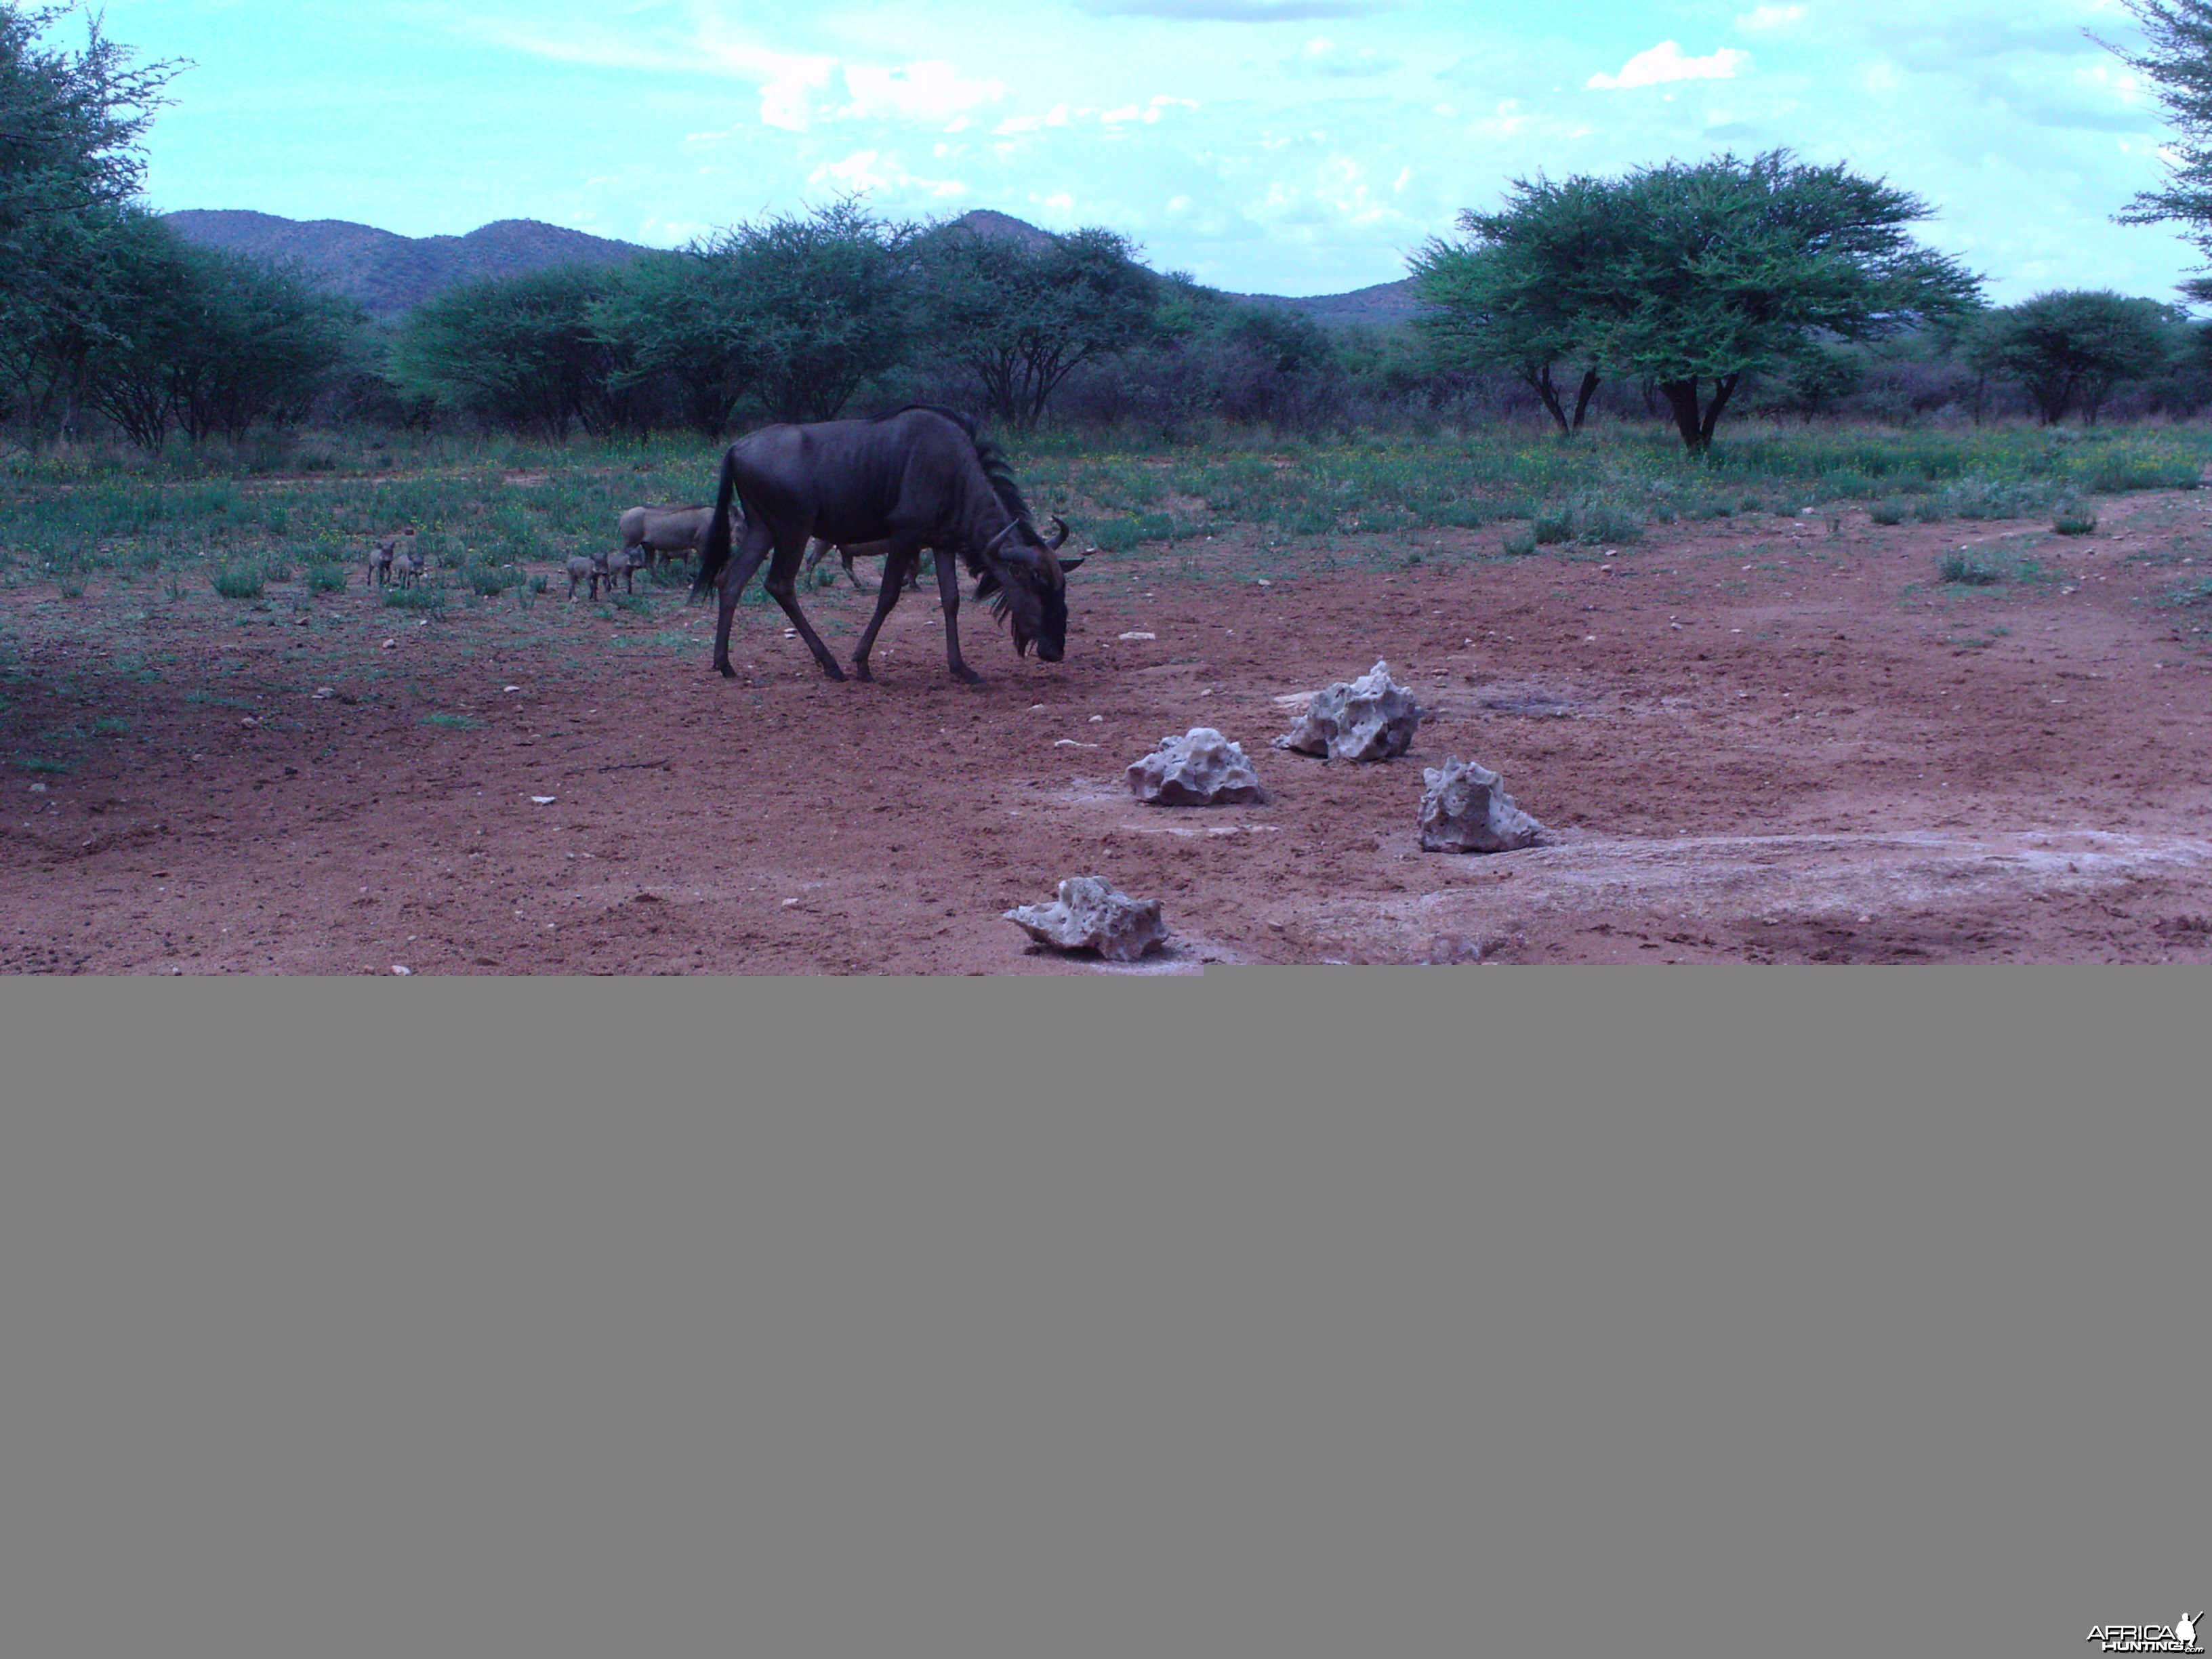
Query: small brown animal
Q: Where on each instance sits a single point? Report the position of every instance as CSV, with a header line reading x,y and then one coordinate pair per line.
x,y
623,563
585,570
858,550
408,565
380,561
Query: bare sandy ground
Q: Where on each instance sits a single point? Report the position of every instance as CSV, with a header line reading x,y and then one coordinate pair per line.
x,y
1760,741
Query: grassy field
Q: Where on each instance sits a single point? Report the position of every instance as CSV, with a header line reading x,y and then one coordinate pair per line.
x,y
303,512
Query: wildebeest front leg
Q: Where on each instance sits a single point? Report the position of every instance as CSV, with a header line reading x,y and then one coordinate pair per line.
x,y
743,561
782,584
948,594
896,563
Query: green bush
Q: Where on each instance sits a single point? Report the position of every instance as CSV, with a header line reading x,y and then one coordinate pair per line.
x,y
1519,543
1888,512
239,581
2075,518
430,600
324,576
1967,567
1552,528
491,580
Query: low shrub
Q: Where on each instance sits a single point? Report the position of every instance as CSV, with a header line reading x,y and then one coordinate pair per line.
x,y
324,576
1888,512
239,581
1969,568
2075,518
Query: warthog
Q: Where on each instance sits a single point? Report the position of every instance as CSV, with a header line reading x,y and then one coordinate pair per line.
x,y
379,563
623,563
914,478
665,531
591,570
822,551
409,566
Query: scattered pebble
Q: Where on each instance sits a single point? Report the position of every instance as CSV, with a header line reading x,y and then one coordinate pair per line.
x,y
546,800
41,788
503,687
392,645
323,691
1139,637
402,970
1096,719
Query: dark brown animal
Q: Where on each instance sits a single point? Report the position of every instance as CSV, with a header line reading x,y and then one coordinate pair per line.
x,y
914,478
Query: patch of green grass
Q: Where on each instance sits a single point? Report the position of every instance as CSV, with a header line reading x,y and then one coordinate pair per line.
x,y
1969,569
238,582
452,722
636,604
431,601
41,763
108,726
1519,543
324,576
1890,511
490,579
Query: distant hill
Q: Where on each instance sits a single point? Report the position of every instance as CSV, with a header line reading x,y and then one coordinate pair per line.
x,y
391,274
1385,305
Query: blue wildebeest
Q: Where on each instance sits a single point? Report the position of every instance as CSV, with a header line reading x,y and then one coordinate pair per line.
x,y
916,477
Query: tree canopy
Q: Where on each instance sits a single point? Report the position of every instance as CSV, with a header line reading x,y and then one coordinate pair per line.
x,y
2075,346
1023,320
1691,274
2178,60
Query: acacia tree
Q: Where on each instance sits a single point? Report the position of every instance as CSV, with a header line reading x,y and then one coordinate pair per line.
x,y
2075,346
520,351
792,315
1023,319
2178,60
1696,274
1497,300
70,126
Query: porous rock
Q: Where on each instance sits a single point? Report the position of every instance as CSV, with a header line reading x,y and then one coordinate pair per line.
x,y
1464,811
1200,768
1089,915
1370,719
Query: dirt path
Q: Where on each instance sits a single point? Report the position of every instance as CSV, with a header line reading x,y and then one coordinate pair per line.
x,y
1766,742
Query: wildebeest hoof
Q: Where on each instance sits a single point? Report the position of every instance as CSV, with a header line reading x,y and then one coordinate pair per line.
x,y
967,676
726,670
861,671
832,671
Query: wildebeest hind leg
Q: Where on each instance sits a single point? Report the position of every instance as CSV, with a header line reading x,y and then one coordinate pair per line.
x,y
948,594
750,550
896,563
782,584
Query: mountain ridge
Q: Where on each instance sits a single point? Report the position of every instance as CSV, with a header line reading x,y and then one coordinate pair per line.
x,y
391,274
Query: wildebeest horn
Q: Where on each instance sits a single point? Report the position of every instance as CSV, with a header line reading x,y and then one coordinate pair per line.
x,y
1059,523
992,546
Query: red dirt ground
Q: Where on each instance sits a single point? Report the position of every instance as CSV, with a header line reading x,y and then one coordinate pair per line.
x,y
1765,742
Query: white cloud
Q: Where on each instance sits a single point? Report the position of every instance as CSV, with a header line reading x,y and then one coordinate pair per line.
x,y
932,92
1767,19
1665,61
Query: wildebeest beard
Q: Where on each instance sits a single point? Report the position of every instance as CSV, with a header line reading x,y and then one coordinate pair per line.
x,y
1027,587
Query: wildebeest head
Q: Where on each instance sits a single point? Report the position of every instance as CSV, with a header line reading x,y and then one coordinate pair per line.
x,y
1026,581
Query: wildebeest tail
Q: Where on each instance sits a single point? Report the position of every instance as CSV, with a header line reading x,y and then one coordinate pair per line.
x,y
714,552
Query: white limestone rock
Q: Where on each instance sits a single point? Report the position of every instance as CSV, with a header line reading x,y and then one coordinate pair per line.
x,y
1200,768
1370,719
1089,915
1464,811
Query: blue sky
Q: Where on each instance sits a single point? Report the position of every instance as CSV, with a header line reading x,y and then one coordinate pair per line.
x,y
1278,145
